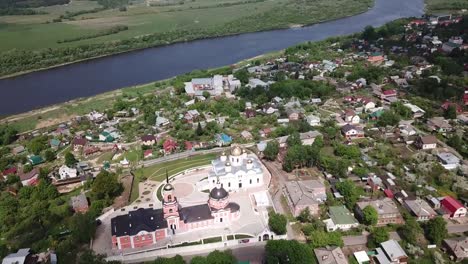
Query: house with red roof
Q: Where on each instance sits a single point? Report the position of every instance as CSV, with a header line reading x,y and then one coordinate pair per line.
x,y
169,145
148,153
30,178
453,207
465,97
10,171
79,143
445,106
388,93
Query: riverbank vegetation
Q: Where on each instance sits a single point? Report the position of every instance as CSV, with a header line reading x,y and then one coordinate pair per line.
x,y
34,42
440,6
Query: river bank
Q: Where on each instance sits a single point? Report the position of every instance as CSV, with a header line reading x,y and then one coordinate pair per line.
x,y
89,78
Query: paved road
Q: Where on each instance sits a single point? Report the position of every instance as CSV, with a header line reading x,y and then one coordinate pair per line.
x,y
187,154
454,229
276,190
253,253
362,239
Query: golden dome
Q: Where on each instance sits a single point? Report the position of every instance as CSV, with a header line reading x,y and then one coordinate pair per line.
x,y
236,151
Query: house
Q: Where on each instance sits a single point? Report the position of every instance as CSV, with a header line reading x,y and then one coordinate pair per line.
x,y
65,172
415,110
265,132
198,86
169,146
191,116
361,257
18,150
223,139
148,140
148,153
30,178
55,143
23,256
456,247
35,160
388,94
447,104
391,252
386,208
453,207
449,47
253,83
9,171
406,130
375,58
330,255
351,117
79,203
352,132
79,143
305,194
249,113
293,114
426,142
106,137
420,209
375,183
340,219
269,109
313,120
162,121
448,160
246,135
439,124
232,83
308,138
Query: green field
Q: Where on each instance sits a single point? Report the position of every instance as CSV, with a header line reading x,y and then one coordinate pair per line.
x,y
158,172
445,6
34,32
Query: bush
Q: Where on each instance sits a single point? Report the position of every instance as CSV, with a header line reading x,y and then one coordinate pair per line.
x,y
277,223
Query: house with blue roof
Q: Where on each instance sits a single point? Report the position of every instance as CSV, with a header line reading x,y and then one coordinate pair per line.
x,y
223,139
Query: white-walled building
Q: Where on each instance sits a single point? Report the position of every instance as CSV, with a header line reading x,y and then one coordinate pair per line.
x,y
238,170
66,172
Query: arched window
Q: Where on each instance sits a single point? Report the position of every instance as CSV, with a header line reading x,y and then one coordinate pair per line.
x,y
169,198
258,180
229,184
250,181
170,210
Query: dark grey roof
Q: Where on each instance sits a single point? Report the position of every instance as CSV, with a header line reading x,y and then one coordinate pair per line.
x,y
233,206
218,193
134,222
195,213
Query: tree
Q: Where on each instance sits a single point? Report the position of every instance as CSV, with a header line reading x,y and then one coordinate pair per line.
x,y
49,155
402,110
388,118
106,186
220,257
451,112
83,227
350,192
370,215
277,223
305,216
27,168
377,236
206,94
369,33
70,160
242,75
320,238
177,259
294,140
271,151
288,251
199,130
436,230
410,230
37,144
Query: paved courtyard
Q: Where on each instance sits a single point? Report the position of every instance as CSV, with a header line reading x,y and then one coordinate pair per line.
x,y
253,220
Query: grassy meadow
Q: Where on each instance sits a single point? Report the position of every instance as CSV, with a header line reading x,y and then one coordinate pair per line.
x,y
445,6
35,32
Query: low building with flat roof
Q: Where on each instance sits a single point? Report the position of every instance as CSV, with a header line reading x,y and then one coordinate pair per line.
x,y
340,219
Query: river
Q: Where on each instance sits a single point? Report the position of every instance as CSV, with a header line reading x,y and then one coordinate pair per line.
x,y
61,84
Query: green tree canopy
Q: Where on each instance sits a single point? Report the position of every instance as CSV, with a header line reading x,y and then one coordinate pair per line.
x,y
70,160
288,251
106,186
370,215
350,192
271,151
277,223
436,230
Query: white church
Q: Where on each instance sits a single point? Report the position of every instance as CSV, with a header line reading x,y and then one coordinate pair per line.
x,y
238,170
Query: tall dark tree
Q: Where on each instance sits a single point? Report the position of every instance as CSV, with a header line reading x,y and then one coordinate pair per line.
x,y
288,251
271,151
